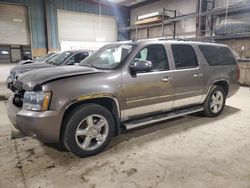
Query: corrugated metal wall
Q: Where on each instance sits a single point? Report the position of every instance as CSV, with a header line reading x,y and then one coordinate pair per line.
x,y
37,13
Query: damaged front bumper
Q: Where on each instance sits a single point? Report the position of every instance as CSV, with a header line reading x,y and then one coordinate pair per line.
x,y
44,126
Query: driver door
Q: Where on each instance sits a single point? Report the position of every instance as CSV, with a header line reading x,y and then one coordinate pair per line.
x,y
148,92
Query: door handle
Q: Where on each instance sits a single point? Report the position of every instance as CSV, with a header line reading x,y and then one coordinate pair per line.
x,y
197,75
166,79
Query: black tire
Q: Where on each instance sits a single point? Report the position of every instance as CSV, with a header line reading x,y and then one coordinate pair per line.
x,y
207,105
76,117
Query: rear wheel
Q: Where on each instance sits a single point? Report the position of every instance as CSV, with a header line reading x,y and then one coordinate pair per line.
x,y
215,102
89,130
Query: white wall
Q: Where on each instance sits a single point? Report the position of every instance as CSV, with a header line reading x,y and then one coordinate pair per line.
x,y
85,27
14,26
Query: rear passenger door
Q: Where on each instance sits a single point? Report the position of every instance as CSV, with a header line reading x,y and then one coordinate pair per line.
x,y
187,77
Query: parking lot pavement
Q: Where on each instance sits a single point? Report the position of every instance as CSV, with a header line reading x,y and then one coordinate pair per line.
x,y
190,151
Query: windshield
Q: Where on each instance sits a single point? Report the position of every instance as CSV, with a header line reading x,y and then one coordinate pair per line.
x,y
43,58
108,57
60,58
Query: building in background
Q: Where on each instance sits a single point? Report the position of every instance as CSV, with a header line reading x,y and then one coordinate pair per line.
x,y
36,27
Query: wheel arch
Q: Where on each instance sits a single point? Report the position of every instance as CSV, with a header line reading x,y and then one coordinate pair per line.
x,y
224,83
109,102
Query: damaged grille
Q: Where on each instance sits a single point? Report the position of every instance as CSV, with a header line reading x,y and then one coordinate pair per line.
x,y
18,85
18,100
19,93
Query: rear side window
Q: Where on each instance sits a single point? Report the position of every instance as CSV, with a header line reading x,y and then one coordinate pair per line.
x,y
217,55
184,56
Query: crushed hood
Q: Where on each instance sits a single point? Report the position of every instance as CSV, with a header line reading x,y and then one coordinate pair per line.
x,y
35,78
20,69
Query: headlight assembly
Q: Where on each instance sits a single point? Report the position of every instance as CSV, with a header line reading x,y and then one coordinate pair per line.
x,y
36,101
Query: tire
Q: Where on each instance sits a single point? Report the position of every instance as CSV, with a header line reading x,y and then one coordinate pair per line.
x,y
89,129
210,103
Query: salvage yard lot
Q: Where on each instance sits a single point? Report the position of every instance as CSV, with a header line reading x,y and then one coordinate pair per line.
x,y
190,151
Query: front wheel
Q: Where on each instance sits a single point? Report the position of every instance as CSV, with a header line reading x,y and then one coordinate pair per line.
x,y
215,102
88,130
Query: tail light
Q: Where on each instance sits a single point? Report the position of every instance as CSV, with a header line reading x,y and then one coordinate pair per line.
x,y
238,72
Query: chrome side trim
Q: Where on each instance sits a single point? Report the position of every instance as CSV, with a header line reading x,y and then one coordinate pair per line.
x,y
96,96
126,114
198,91
149,98
187,101
163,117
209,88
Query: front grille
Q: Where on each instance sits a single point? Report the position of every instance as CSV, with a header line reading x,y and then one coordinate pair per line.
x,y
18,100
18,85
17,88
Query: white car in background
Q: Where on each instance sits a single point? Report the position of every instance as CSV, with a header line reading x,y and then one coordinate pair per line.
x,y
37,60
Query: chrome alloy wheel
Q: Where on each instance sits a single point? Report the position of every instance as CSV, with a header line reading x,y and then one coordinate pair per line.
x,y
216,101
92,132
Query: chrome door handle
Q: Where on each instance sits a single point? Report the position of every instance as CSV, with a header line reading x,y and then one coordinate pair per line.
x,y
197,75
166,79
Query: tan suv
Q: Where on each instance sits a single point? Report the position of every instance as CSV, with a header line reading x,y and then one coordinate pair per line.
x,y
122,86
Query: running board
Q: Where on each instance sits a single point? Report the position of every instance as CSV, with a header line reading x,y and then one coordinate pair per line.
x,y
161,117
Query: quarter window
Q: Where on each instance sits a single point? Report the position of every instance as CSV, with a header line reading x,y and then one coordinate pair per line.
x,y
217,55
156,54
184,56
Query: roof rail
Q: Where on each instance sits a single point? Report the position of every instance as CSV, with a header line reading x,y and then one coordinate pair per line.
x,y
160,39
179,39
176,39
147,39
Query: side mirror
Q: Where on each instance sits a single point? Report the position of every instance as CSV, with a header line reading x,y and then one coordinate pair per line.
x,y
141,66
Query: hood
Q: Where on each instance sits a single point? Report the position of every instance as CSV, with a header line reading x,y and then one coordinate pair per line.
x,y
19,69
35,78
22,62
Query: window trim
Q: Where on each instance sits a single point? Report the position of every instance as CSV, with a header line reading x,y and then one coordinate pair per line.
x,y
151,72
195,55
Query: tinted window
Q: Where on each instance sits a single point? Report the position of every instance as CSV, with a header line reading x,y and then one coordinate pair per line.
x,y
156,54
217,55
77,58
184,56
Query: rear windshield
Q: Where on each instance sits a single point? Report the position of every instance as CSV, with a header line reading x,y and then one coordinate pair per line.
x,y
218,55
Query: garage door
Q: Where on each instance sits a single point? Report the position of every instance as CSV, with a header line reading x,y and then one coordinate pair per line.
x,y
14,25
85,27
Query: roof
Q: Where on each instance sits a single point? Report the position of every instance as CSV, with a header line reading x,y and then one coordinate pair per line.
x,y
170,41
77,51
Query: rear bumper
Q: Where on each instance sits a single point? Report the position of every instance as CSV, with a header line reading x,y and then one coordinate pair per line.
x,y
44,126
233,88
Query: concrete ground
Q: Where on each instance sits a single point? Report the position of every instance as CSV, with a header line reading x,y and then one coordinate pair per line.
x,y
4,72
191,151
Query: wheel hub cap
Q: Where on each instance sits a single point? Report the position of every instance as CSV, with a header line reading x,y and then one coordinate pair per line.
x,y
216,102
92,132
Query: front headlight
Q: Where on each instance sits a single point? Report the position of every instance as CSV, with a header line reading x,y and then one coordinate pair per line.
x,y
37,101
